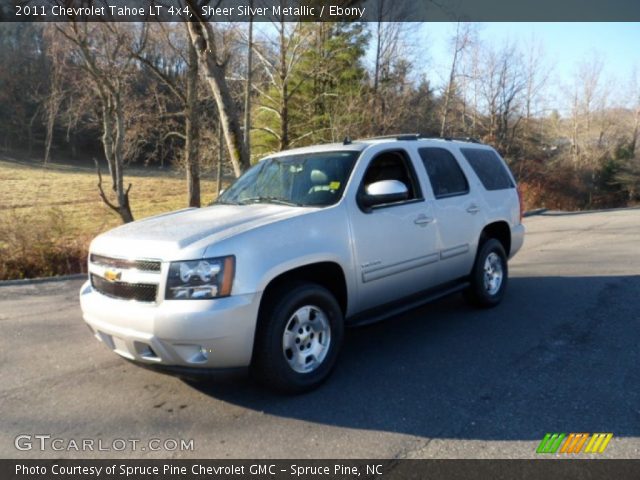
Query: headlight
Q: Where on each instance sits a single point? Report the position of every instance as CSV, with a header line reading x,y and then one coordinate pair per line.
x,y
200,279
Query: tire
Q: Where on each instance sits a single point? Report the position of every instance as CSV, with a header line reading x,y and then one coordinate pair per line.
x,y
300,360
489,276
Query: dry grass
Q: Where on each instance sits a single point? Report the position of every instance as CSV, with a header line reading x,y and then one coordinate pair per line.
x,y
28,189
49,215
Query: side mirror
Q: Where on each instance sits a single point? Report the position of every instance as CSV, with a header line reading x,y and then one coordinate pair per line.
x,y
383,192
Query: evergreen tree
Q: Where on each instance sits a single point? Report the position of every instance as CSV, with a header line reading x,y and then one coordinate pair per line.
x,y
316,72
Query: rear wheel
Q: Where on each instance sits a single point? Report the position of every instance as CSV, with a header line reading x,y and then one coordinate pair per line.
x,y
489,275
298,339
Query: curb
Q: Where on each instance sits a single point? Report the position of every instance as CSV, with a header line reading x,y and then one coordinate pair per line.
x,y
537,211
28,281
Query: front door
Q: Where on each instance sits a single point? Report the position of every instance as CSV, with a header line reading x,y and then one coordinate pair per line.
x,y
394,244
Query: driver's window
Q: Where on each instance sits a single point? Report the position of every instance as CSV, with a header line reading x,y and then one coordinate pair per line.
x,y
392,165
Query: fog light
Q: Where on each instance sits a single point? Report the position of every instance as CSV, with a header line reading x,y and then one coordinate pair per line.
x,y
204,352
193,353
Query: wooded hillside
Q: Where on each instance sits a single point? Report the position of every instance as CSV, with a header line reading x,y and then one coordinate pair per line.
x,y
210,98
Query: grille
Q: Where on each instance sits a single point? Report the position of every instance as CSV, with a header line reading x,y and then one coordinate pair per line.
x,y
142,292
144,265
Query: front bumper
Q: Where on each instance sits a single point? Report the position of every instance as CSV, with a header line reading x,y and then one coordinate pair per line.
x,y
203,334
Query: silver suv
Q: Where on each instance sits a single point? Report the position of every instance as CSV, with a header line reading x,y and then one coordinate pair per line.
x,y
306,242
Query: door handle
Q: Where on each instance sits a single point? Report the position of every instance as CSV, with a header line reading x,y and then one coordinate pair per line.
x,y
423,220
473,209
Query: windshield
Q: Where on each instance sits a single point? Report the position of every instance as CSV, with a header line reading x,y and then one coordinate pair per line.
x,y
310,179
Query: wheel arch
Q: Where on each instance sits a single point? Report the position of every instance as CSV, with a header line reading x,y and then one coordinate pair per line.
x,y
499,230
327,274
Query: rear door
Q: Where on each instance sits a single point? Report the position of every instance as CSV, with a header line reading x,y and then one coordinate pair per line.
x,y
458,213
496,182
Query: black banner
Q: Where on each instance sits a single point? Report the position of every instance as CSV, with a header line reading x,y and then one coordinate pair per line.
x,y
318,469
318,10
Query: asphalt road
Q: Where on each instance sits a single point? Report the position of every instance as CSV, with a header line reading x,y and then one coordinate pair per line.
x,y
559,355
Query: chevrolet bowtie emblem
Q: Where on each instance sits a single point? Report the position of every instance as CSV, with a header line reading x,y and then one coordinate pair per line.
x,y
112,275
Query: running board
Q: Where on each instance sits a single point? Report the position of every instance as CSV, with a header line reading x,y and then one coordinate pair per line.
x,y
384,312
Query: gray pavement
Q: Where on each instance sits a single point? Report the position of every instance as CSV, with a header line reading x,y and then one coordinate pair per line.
x,y
445,381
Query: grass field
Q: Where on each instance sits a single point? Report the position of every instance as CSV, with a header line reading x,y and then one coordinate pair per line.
x,y
56,211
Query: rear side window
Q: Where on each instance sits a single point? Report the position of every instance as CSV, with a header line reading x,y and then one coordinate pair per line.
x,y
489,168
445,175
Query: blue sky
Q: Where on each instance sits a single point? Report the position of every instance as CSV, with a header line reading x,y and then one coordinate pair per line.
x,y
565,45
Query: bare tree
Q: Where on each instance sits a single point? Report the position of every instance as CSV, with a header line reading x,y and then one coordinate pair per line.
x,y
57,93
586,99
102,52
213,63
471,73
392,47
635,102
537,76
387,42
157,60
589,74
502,85
461,41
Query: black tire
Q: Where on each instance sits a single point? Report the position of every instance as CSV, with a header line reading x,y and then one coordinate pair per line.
x,y
270,365
478,293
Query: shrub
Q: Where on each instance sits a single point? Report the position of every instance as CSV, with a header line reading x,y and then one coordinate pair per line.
x,y
39,246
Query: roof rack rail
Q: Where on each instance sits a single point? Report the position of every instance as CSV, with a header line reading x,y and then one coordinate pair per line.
x,y
396,136
462,139
418,136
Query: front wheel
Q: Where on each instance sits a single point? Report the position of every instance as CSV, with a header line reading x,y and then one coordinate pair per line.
x,y
489,275
298,338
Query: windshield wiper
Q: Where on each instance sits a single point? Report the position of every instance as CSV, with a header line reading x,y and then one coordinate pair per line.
x,y
225,202
267,199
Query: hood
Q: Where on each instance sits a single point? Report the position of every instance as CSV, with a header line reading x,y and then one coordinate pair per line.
x,y
187,233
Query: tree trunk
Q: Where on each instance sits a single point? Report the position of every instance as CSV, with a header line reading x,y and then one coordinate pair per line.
x,y
113,145
52,112
107,140
122,195
377,101
445,109
191,131
574,136
634,136
202,38
452,76
284,81
247,88
52,107
30,130
220,154
284,119
376,71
